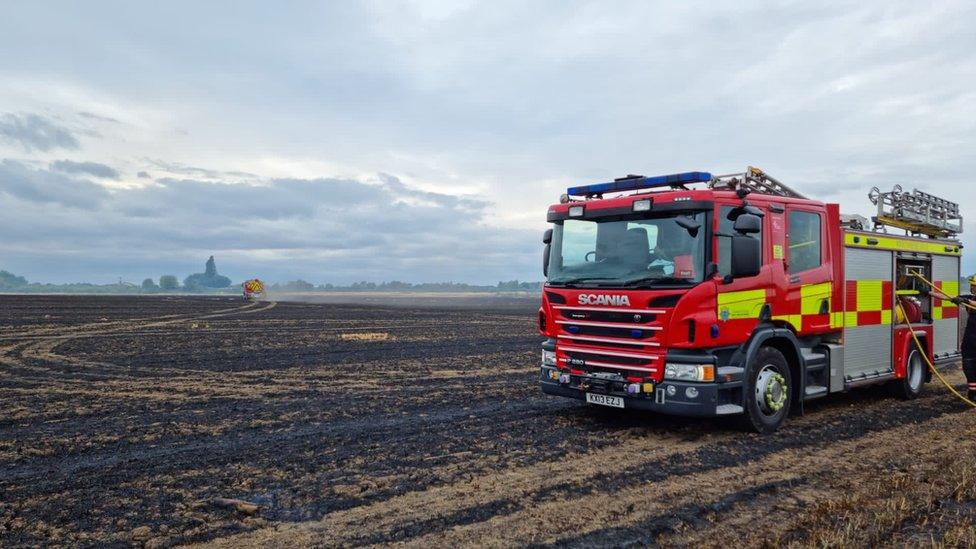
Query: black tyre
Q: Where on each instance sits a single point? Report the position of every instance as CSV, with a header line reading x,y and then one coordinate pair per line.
x,y
768,392
910,387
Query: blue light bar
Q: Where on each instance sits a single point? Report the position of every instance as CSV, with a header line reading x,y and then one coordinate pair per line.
x,y
636,183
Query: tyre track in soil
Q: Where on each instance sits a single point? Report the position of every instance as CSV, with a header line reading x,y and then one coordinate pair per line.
x,y
42,343
98,327
465,468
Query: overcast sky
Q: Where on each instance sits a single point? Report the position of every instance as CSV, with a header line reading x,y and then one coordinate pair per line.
x,y
423,141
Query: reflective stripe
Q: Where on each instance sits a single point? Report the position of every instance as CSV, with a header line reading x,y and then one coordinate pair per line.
x,y
812,297
639,342
741,305
609,325
869,303
882,242
611,310
944,309
612,365
795,320
607,352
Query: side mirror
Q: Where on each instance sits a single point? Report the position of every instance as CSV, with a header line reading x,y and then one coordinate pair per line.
x,y
547,240
747,224
746,256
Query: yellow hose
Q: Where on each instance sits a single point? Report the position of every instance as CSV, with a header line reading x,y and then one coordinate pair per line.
x,y
925,357
940,292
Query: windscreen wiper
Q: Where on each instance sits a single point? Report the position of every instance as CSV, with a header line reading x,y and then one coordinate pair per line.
x,y
574,281
651,280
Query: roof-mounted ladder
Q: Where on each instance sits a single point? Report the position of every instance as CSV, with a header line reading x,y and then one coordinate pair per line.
x,y
753,180
916,212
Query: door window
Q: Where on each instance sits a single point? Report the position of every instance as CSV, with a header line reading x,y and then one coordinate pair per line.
x,y
805,241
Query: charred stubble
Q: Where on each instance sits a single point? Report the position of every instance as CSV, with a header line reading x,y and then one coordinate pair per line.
x,y
121,413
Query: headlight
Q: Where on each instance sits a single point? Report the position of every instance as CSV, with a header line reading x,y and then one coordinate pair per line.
x,y
689,372
548,358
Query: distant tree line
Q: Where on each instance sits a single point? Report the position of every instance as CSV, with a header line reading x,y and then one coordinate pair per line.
x,y
399,286
211,281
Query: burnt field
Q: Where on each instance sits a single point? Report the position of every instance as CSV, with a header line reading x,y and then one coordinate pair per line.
x,y
176,420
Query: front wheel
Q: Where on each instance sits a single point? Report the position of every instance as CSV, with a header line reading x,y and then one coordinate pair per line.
x,y
768,392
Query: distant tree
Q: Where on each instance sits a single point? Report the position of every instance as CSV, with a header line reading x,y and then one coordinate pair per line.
x,y
509,286
297,286
168,282
9,280
208,279
149,285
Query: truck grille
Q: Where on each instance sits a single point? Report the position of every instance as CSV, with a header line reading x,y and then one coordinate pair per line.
x,y
624,341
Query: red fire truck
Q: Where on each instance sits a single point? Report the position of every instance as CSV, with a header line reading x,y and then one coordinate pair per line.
x,y
735,295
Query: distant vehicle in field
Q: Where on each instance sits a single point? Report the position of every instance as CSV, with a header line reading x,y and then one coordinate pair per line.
x,y
253,289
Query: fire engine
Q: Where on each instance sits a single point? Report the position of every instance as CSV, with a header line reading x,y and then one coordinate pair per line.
x,y
735,295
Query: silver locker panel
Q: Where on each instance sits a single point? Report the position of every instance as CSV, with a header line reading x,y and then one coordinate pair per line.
x,y
868,264
945,268
867,350
946,336
946,330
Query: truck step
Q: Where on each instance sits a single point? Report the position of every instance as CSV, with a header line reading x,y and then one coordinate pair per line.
x,y
728,409
814,360
814,391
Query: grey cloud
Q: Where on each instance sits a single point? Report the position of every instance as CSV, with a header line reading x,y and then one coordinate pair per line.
x,y
98,117
143,175
337,230
90,168
35,132
183,169
43,186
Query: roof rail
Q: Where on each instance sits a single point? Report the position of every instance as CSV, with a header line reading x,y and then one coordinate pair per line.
x,y
754,180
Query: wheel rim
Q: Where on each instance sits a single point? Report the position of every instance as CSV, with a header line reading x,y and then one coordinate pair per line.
x,y
771,390
914,372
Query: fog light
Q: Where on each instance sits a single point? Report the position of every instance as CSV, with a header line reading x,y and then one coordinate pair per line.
x,y
672,390
553,375
576,211
563,378
691,392
648,388
642,205
633,388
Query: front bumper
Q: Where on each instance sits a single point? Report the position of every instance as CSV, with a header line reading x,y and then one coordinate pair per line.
x,y
668,397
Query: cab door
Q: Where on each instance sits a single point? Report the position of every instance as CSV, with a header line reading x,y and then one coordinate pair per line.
x,y
807,307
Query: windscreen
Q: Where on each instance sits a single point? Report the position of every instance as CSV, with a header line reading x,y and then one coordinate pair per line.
x,y
629,252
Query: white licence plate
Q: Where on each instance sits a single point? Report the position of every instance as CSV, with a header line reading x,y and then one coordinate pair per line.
x,y
605,400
